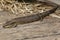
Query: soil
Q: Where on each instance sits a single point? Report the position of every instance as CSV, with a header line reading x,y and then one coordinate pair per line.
x,y
47,29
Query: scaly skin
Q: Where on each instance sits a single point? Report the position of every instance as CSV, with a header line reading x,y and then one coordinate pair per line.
x,y
28,19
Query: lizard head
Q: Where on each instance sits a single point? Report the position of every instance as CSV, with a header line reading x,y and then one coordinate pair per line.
x,y
9,24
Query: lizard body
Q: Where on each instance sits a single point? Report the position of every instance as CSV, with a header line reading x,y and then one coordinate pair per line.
x,y
30,18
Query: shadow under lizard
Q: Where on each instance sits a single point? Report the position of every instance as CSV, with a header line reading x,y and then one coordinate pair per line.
x,y
31,18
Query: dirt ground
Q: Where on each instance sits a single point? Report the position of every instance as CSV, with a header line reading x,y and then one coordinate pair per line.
x,y
48,29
